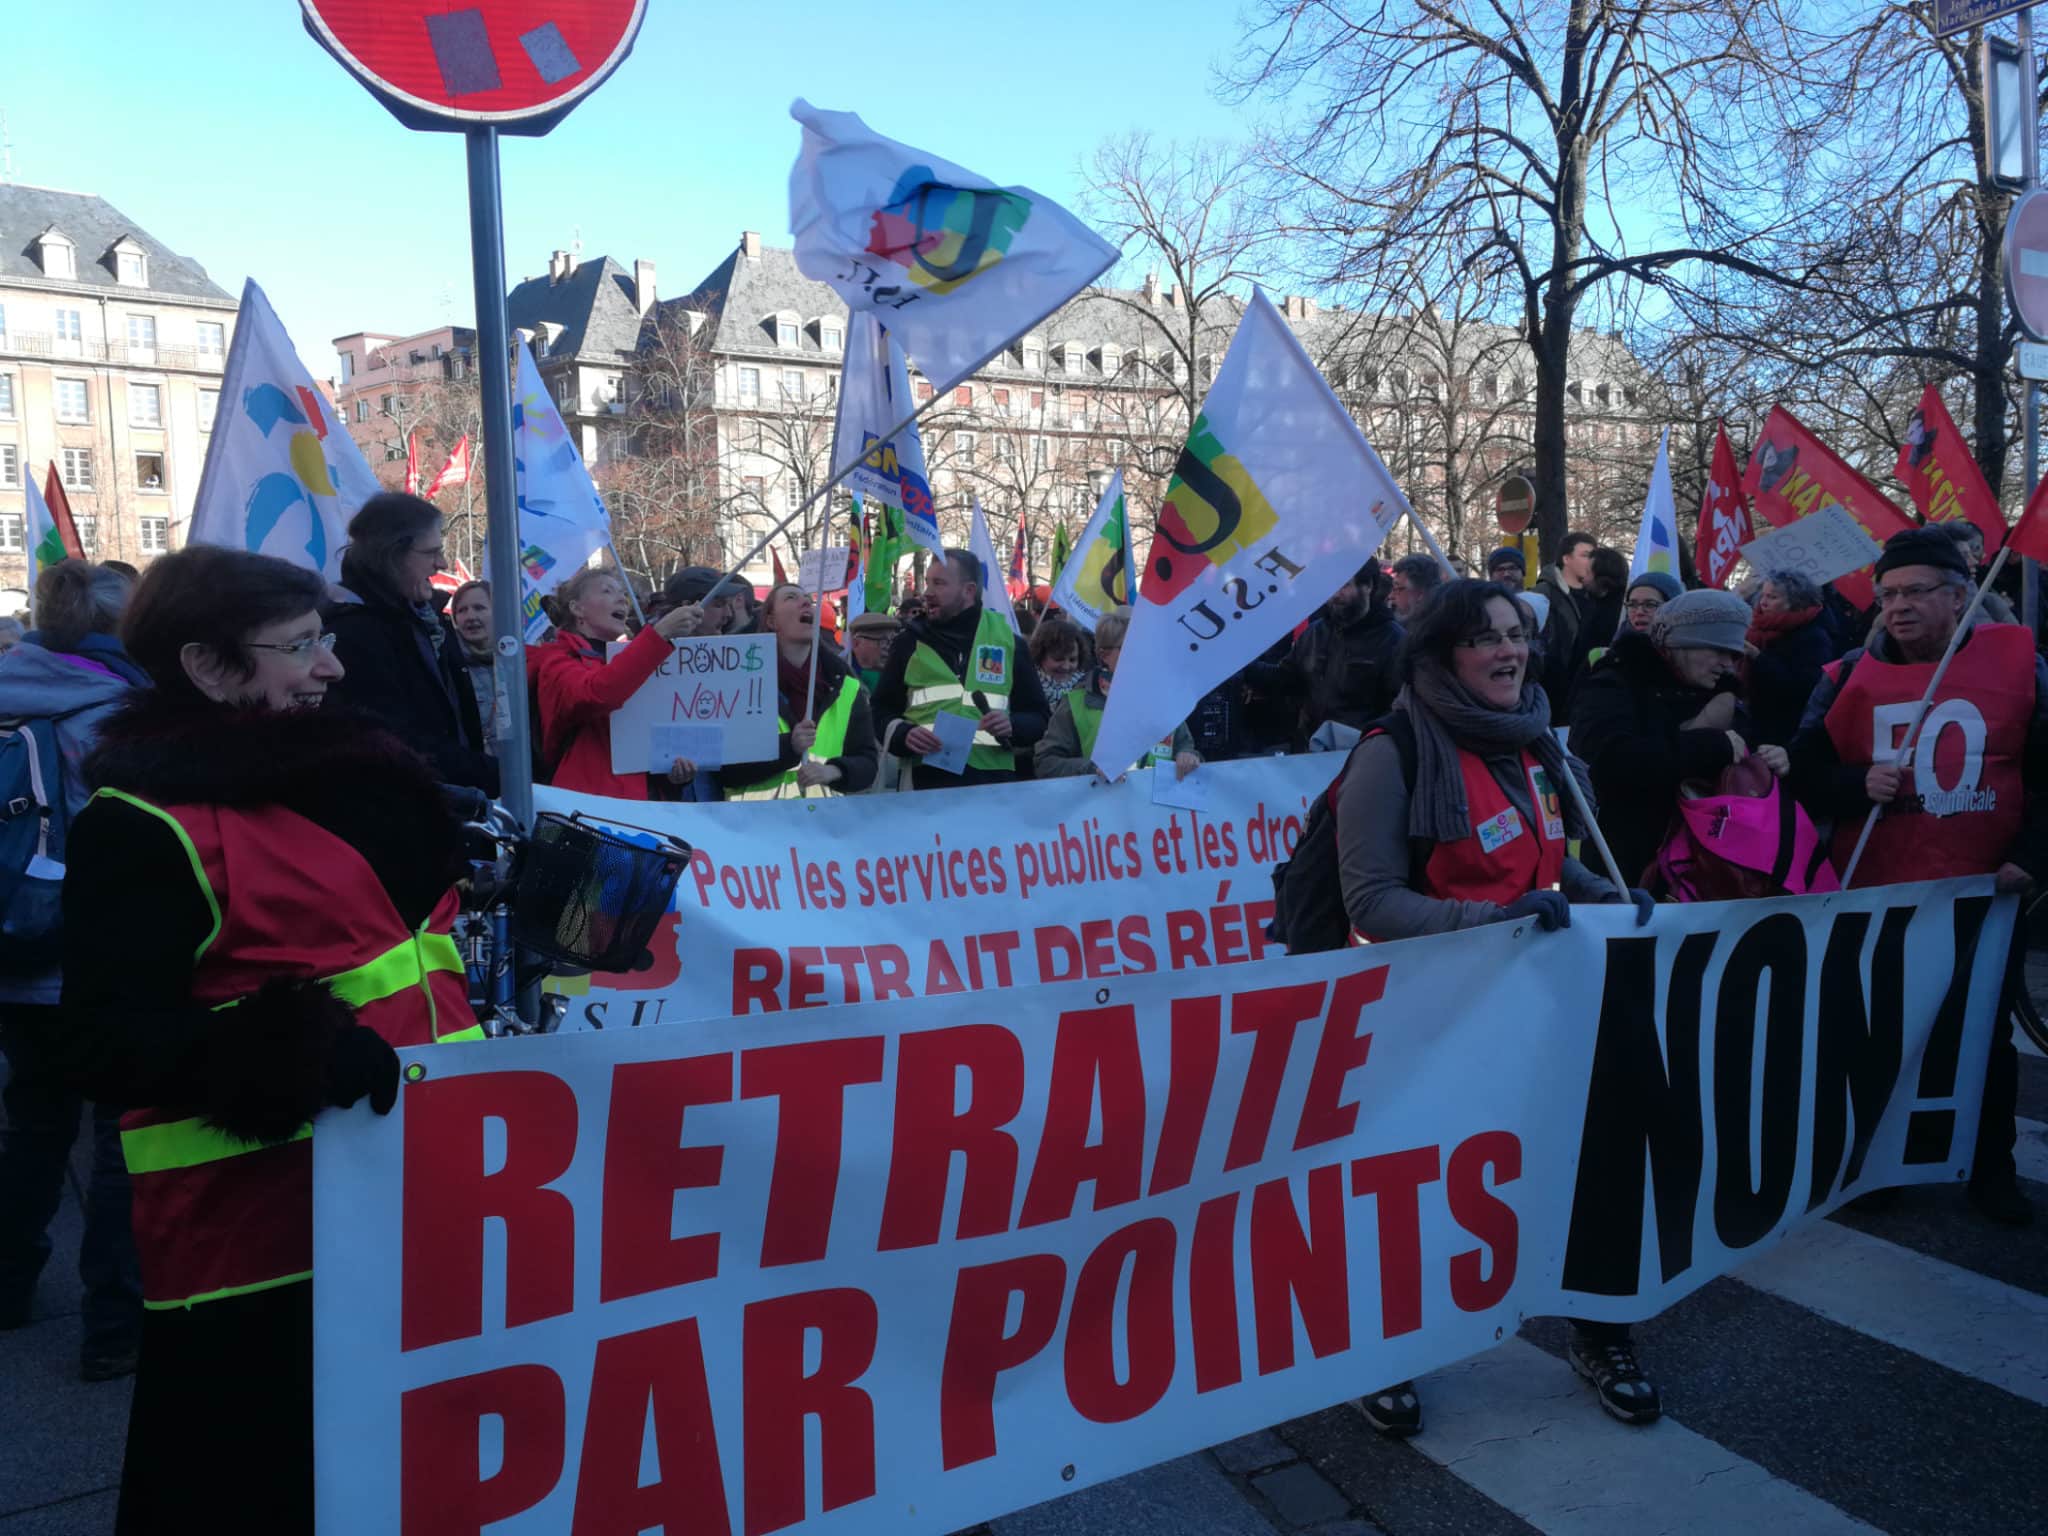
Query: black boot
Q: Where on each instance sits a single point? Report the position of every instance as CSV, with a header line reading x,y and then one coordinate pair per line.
x,y
1394,1411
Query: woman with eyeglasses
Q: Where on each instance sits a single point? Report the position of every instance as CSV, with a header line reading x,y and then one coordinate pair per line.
x,y
257,908
1791,637
1067,748
1452,813
402,661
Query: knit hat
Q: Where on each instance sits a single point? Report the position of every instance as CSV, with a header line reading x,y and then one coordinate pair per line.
x,y
1663,583
1507,554
1705,619
1923,546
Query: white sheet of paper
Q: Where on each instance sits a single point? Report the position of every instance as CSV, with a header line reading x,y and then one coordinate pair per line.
x,y
1188,794
1820,546
703,745
822,569
957,732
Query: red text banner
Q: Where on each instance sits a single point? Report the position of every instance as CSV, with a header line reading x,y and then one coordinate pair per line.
x,y
1792,474
793,904
905,1267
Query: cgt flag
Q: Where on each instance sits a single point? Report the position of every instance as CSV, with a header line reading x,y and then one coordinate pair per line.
x,y
1657,538
1276,500
1792,473
1724,516
1096,577
957,266
280,477
562,519
874,396
455,471
1938,470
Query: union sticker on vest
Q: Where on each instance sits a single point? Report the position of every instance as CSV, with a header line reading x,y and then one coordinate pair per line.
x,y
1548,806
1496,830
992,665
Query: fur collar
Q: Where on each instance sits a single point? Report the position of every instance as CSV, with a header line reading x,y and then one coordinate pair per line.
x,y
177,750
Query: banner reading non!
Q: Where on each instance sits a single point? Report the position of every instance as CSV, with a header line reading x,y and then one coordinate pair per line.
x,y
806,903
905,1267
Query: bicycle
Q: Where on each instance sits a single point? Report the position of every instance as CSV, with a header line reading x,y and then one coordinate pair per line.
x,y
2026,1013
571,896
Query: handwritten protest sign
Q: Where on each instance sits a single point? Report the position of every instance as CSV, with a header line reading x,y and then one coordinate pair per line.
x,y
721,687
1826,543
823,570
907,1266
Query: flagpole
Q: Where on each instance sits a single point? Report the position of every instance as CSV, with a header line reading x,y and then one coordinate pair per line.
x,y
826,489
1912,735
1592,824
1429,538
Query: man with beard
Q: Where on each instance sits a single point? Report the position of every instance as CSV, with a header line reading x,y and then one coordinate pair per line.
x,y
1342,668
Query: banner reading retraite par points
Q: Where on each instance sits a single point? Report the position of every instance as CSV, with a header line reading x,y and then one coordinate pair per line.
x,y
907,1266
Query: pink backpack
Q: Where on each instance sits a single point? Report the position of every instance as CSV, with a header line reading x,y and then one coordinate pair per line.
x,y
1750,839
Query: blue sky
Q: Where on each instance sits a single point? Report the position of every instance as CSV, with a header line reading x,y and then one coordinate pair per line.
x,y
229,134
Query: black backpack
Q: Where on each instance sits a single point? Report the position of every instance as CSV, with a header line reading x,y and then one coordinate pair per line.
x,y
1308,891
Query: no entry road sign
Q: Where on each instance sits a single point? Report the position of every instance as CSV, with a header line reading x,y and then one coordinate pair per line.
x,y
2026,261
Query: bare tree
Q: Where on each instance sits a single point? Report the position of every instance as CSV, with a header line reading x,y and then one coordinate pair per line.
x,y
671,494
1452,133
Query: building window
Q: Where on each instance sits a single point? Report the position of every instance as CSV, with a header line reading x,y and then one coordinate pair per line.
x,y
149,472
156,535
3,324
10,466
362,408
756,488
750,386
6,397
74,401
88,533
565,393
924,391
384,405
963,444
142,333
1038,400
964,395
13,533
1034,358
1002,401
1604,395
1038,454
792,383
209,404
75,469
59,259
131,268
70,326
145,405
831,338
1490,386
788,333
213,339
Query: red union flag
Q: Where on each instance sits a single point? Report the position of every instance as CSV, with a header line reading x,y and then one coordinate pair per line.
x,y
455,471
1724,515
1937,468
1792,473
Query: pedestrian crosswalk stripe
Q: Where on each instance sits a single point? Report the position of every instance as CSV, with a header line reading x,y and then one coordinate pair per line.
x,y
1952,1316
1520,1427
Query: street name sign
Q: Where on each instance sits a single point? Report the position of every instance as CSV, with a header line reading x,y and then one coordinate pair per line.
x,y
1953,16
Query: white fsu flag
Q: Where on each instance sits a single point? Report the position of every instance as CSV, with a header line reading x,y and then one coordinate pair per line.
x,y
1096,577
956,266
1276,500
993,594
282,475
874,395
562,519
1657,538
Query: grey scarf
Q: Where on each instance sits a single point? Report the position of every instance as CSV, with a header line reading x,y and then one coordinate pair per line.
x,y
1446,716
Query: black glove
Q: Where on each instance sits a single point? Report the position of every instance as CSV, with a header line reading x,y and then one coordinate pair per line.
x,y
1646,905
1549,908
360,1061
267,1059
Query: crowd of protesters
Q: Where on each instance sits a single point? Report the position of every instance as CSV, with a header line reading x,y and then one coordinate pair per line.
x,y
1498,732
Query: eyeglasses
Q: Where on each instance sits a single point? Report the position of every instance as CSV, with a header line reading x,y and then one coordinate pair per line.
x,y
293,648
1644,605
1888,595
1493,640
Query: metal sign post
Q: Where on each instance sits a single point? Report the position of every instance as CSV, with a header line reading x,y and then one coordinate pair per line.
x,y
2013,120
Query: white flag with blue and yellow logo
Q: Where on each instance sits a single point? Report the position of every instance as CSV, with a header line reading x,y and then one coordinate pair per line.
x,y
1657,539
282,475
874,396
956,266
562,519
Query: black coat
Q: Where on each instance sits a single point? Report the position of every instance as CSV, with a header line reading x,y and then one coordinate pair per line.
x,y
1349,669
1783,673
410,676
1628,727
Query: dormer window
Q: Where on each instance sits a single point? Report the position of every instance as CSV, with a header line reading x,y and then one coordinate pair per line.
x,y
56,255
1109,360
1069,356
787,330
131,263
831,336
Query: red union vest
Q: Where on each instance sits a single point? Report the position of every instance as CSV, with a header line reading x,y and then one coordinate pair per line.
x,y
1964,807
1502,858
215,1216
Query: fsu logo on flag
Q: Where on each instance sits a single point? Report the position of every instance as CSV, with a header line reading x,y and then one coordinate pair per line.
x,y
1212,513
943,235
537,562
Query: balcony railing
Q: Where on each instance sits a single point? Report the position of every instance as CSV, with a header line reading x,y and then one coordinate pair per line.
x,y
118,353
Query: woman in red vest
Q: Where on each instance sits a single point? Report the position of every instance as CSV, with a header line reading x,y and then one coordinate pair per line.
x,y
1452,813
256,912
578,689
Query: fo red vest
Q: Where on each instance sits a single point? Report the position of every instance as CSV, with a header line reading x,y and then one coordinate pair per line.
x,y
215,1216
1960,810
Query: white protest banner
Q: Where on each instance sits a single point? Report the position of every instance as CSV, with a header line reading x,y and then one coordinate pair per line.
x,y
712,701
282,476
908,1266
1826,543
851,898
1276,500
823,570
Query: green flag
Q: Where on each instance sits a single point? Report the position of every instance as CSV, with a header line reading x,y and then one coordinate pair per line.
x,y
1060,549
885,547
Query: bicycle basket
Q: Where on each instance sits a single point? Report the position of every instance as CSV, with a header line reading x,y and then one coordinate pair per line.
x,y
590,897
